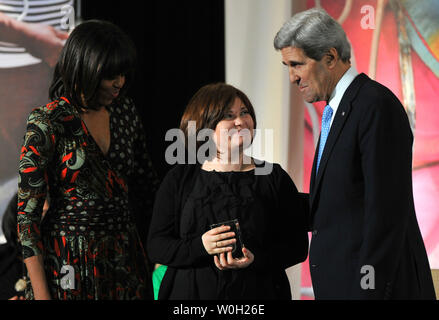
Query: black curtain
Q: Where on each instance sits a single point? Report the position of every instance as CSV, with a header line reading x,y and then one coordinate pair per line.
x,y
180,48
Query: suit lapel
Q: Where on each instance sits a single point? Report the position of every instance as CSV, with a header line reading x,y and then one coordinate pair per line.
x,y
337,125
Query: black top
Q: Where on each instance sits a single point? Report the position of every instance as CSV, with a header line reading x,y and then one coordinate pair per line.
x,y
11,270
272,217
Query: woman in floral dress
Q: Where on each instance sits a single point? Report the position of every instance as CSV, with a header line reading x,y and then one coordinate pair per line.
x,y
86,152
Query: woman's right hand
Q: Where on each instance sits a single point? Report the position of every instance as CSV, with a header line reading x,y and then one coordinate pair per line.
x,y
224,262
214,240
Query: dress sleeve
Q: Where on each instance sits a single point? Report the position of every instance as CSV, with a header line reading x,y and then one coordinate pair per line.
x,y
36,152
293,222
144,181
165,246
288,244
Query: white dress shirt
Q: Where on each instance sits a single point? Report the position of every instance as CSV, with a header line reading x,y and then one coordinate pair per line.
x,y
340,89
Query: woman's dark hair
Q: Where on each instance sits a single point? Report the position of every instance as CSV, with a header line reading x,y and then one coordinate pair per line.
x,y
95,50
9,222
210,104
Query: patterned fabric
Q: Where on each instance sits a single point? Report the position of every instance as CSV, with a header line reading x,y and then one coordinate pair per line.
x,y
326,126
89,225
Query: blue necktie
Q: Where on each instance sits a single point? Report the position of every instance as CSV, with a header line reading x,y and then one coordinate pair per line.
x,y
326,121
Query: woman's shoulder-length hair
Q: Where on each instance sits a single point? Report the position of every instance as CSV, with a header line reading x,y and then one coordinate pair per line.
x,y
209,106
95,50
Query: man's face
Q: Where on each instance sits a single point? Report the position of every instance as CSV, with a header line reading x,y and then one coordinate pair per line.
x,y
311,76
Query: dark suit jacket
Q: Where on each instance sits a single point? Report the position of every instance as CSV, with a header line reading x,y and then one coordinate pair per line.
x,y
366,242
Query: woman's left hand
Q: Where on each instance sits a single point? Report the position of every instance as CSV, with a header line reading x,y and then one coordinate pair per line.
x,y
228,262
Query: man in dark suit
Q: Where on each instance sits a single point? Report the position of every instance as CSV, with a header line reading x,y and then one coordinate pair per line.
x,y
366,242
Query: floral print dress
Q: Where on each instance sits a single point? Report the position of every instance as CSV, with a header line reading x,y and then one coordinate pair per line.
x,y
88,237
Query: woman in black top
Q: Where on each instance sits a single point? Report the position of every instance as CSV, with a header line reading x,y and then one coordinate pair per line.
x,y
227,185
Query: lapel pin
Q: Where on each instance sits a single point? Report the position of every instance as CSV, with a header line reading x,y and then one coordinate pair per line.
x,y
343,114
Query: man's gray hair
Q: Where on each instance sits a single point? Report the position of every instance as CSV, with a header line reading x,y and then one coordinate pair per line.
x,y
314,31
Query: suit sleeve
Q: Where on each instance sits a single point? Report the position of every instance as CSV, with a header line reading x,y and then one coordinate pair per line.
x,y
386,157
165,246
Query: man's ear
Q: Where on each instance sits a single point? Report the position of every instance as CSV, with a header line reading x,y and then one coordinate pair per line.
x,y
331,58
